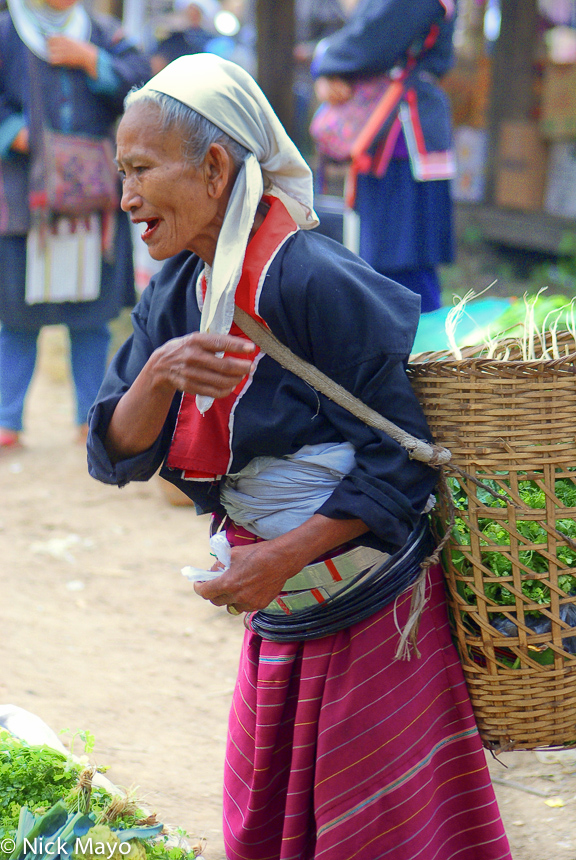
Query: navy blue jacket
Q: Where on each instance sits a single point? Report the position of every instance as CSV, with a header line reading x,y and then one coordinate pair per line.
x,y
335,311
379,34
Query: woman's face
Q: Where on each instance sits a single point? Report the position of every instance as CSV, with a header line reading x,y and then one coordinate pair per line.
x,y
182,206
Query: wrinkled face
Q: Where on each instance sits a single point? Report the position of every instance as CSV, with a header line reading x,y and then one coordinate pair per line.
x,y
162,189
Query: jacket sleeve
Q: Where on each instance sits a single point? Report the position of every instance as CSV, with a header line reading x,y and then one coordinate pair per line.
x,y
11,114
123,370
386,489
10,126
377,37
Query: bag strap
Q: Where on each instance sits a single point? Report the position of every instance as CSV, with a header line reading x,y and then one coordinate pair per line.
x,y
37,123
362,160
418,449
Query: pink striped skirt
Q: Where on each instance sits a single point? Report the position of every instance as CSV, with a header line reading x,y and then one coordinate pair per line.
x,y
338,751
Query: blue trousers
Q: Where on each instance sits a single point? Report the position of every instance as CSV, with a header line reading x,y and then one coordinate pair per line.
x,y
18,351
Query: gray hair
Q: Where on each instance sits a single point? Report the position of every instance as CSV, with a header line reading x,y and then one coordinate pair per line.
x,y
198,133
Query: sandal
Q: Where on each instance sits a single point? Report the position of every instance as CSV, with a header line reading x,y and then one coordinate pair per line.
x,y
81,434
9,441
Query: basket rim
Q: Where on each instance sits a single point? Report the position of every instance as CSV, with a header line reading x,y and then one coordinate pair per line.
x,y
444,358
544,340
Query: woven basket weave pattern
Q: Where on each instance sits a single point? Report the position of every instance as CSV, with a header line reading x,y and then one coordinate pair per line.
x,y
510,424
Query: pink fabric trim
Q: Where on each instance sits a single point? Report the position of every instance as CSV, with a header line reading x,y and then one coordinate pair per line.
x,y
449,7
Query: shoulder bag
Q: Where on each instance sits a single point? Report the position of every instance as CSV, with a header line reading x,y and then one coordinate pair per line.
x,y
72,175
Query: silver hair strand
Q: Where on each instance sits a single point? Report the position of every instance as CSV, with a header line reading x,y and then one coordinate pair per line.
x,y
198,133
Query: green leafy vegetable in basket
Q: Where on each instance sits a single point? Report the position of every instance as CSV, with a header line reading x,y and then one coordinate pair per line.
x,y
50,809
494,540
493,537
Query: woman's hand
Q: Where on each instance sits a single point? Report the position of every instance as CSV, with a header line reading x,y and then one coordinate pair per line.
x,y
258,572
192,364
21,142
74,54
256,576
335,91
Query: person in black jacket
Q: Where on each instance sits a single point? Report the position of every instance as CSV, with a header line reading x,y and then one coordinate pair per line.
x,y
83,68
335,748
191,38
404,201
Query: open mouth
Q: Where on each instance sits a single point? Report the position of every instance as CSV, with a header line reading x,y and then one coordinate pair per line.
x,y
151,225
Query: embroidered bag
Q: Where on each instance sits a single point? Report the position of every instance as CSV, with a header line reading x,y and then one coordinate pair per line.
x,y
71,175
74,176
369,115
334,128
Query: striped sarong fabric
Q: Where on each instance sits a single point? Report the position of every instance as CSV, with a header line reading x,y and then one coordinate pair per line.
x,y
337,751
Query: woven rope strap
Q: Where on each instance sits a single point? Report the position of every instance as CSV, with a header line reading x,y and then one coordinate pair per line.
x,y
418,449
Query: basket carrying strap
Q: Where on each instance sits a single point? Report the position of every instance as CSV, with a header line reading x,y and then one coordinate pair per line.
x,y
418,449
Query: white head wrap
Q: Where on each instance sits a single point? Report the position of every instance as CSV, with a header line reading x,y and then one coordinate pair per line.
x,y
35,22
229,97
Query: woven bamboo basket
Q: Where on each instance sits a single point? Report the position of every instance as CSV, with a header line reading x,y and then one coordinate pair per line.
x,y
510,425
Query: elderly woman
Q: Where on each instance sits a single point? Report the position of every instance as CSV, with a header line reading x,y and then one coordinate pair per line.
x,y
335,748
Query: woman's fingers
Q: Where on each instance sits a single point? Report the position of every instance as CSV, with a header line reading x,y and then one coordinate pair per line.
x,y
64,51
207,364
256,576
21,142
223,342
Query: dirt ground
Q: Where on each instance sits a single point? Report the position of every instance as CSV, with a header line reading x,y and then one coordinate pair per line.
x,y
100,631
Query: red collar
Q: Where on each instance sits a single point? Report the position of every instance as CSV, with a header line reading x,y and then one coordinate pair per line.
x,y
202,444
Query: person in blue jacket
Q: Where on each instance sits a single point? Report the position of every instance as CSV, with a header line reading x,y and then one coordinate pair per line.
x,y
192,37
404,199
82,67
335,749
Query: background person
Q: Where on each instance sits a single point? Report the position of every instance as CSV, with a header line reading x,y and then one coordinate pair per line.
x,y
335,748
405,212
84,68
315,19
190,34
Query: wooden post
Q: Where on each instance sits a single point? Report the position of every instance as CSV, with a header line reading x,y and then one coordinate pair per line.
x,y
512,87
275,45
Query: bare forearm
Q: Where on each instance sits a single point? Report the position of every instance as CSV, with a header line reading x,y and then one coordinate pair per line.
x,y
317,536
138,418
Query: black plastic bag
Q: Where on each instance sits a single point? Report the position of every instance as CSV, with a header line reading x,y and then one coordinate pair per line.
x,y
540,624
